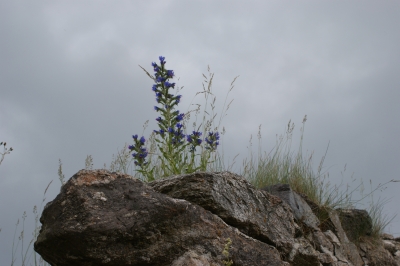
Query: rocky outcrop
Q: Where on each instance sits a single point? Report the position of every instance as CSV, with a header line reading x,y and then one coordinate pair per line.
x,y
355,219
104,218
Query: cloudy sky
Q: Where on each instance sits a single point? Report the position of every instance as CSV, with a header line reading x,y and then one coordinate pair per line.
x,y
71,85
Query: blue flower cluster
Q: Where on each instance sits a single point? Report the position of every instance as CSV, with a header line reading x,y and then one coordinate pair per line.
x,y
194,139
212,141
169,122
140,152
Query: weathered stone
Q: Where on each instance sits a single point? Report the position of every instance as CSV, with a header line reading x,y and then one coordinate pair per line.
x,y
356,223
352,253
321,241
347,248
301,210
387,236
365,260
104,218
326,258
191,258
377,255
389,246
254,212
303,254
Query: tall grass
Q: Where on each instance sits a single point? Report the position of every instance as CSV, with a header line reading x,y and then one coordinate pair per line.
x,y
282,165
21,248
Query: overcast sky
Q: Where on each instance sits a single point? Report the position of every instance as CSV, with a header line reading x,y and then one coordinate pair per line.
x,y
71,85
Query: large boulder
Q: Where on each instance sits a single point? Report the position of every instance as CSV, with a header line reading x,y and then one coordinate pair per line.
x,y
229,196
356,223
104,218
375,254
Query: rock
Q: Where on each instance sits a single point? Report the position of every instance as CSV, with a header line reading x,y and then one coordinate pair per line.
x,y
299,206
254,212
103,218
387,236
303,254
377,255
322,242
390,246
355,223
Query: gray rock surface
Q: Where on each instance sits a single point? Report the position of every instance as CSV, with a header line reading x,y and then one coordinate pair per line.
x,y
104,218
301,210
254,212
352,219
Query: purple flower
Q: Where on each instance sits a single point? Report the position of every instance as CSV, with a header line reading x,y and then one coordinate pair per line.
x,y
162,60
154,88
179,117
143,155
212,140
140,152
170,73
169,85
156,108
194,140
197,134
161,132
177,99
179,125
159,119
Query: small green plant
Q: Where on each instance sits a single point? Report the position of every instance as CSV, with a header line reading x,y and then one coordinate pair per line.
x,y
225,252
5,151
177,156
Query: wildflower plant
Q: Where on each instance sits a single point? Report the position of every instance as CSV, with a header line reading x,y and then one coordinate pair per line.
x,y
178,150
